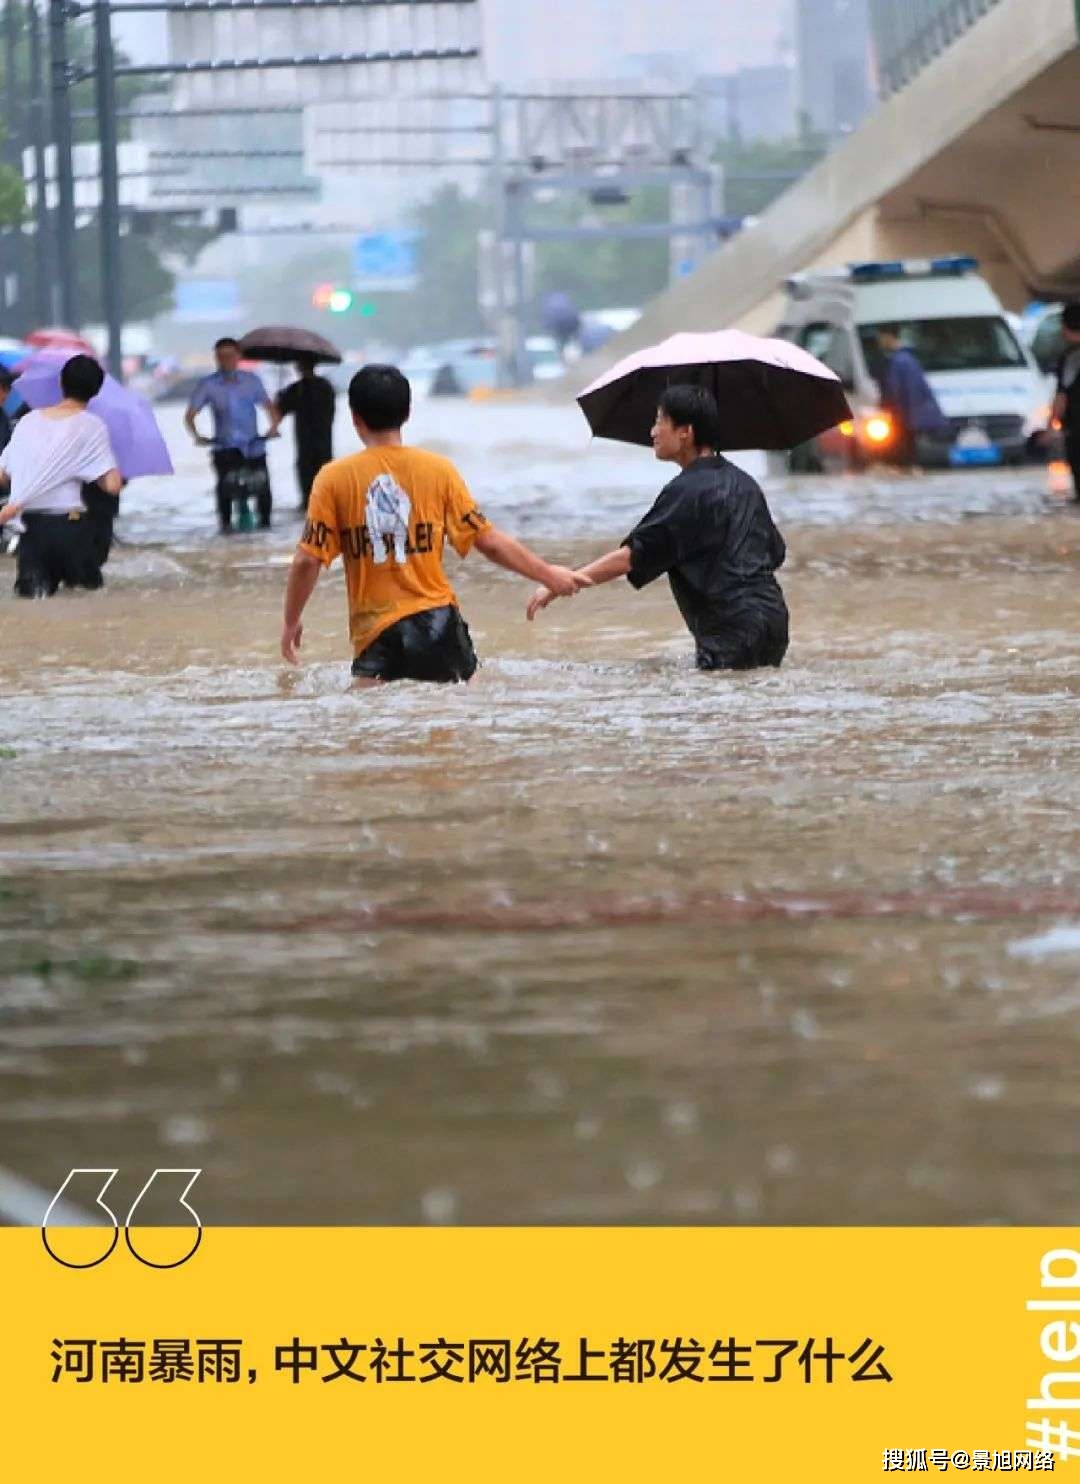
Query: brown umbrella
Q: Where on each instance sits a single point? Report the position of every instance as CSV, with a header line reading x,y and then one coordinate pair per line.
x,y
284,343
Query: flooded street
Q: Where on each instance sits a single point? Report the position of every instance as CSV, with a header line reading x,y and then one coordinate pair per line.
x,y
598,939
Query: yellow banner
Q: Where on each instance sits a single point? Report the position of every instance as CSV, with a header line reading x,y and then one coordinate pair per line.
x,y
510,1354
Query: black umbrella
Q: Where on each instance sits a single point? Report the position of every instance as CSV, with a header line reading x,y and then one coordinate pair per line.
x,y
770,394
284,343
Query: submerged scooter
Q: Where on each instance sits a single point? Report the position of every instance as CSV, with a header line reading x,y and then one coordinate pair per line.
x,y
246,489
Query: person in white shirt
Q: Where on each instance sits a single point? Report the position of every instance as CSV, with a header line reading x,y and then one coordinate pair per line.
x,y
52,453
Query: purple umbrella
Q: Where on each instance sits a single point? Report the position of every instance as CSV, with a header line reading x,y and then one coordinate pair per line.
x,y
133,431
770,394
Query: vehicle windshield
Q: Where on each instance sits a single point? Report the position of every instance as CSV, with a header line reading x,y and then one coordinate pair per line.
x,y
975,343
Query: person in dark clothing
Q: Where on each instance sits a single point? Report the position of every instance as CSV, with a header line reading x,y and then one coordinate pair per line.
x,y
310,400
908,398
5,421
1067,399
711,532
101,511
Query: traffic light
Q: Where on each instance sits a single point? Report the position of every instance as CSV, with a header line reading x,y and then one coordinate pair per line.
x,y
333,297
336,299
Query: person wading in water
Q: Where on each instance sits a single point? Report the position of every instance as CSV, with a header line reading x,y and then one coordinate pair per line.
x,y
310,401
53,452
711,532
388,512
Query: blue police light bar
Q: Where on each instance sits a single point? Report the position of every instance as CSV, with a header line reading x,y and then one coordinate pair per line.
x,y
960,263
952,266
867,272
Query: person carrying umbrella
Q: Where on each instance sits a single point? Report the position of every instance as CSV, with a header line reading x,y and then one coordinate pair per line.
x,y
711,533
52,453
134,435
711,530
310,400
5,421
239,449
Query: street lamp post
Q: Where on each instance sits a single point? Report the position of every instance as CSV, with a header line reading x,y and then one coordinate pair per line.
x,y
109,220
43,271
59,13
14,267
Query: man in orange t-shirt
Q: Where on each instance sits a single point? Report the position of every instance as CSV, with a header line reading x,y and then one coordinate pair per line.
x,y
388,512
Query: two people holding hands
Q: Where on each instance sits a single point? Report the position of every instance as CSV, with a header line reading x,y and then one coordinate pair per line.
x,y
389,510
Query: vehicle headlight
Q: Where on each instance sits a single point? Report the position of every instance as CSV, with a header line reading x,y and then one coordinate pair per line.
x,y
878,428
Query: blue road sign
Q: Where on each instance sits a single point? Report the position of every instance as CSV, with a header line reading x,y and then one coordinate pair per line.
x,y
207,299
385,261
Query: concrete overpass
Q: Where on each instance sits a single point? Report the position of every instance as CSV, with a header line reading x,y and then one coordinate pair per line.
x,y
978,153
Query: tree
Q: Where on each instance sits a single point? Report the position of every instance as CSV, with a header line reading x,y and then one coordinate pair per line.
x,y
12,195
146,285
599,274
80,39
758,171
445,303
146,282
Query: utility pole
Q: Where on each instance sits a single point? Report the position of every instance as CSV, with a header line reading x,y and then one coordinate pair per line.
x,y
15,258
44,311
109,220
503,328
65,180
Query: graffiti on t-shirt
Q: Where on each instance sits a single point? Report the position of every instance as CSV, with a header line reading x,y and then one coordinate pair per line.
x,y
387,518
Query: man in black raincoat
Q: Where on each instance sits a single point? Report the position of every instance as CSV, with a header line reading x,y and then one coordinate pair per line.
x,y
711,532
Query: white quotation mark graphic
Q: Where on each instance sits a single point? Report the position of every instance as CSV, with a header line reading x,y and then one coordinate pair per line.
x,y
57,1200
98,1202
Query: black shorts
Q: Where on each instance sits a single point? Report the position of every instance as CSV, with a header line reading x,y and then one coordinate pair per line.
x,y
433,645
746,646
56,550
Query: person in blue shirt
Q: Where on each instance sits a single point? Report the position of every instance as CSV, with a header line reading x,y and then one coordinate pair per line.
x,y
239,449
908,397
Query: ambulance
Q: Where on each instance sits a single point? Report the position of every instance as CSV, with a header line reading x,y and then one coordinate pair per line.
x,y
986,382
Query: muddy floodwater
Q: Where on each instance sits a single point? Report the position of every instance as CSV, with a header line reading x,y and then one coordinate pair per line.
x,y
594,940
